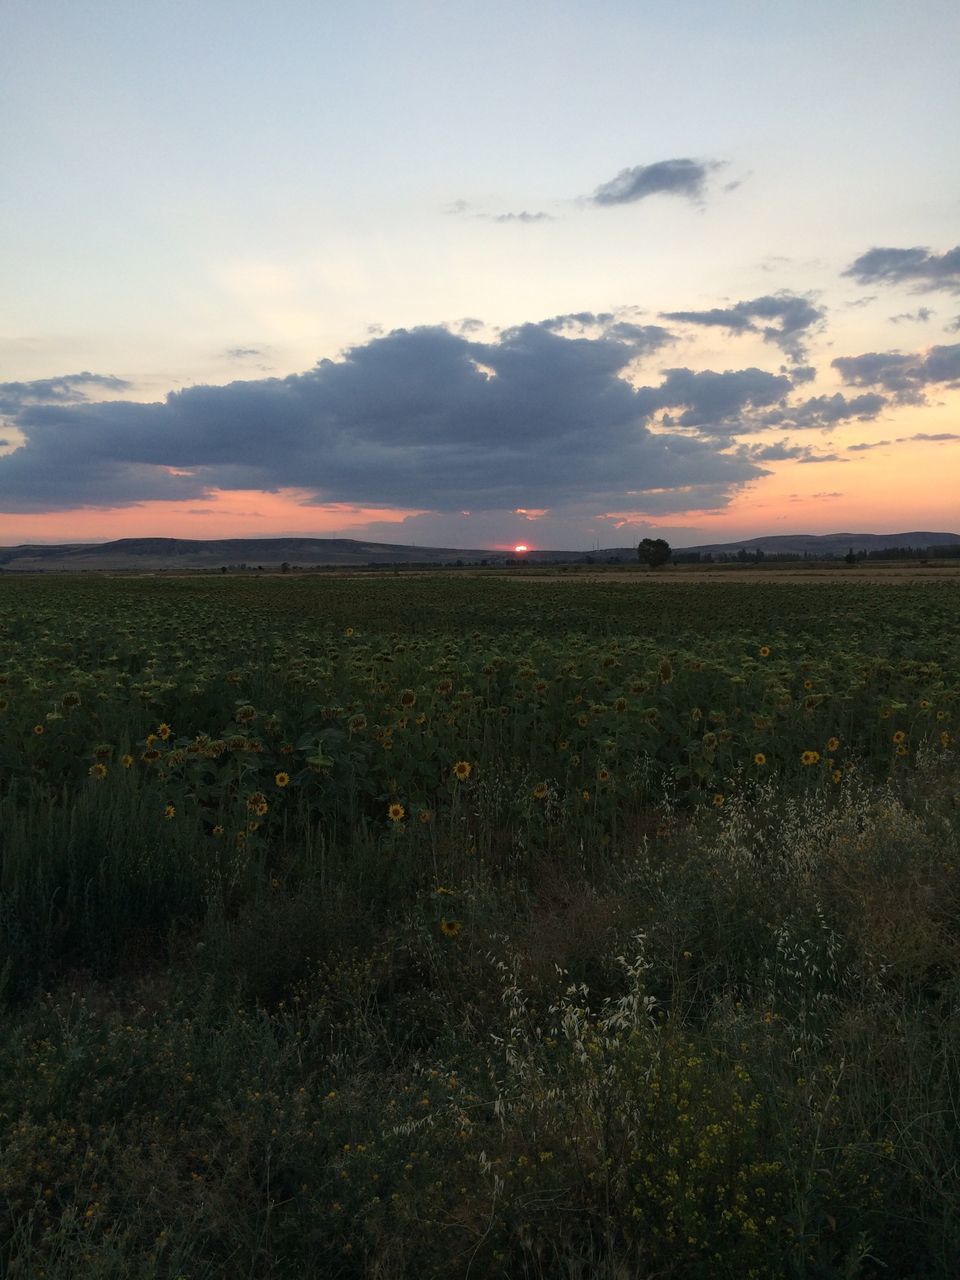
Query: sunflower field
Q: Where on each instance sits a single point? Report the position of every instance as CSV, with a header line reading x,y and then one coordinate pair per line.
x,y
445,924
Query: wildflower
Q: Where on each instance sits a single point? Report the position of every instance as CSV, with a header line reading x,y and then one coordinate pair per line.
x,y
98,771
126,760
718,801
764,651
282,779
462,770
396,813
899,736
810,757
170,812
833,744
164,731
450,928
760,758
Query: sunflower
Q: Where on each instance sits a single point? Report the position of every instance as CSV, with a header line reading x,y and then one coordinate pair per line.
x,y
899,736
585,795
539,791
150,756
358,724
719,801
665,671
126,760
282,779
348,631
425,816
810,757
450,928
945,738
164,731
837,775
170,812
603,775
97,771
257,803
583,721
833,744
462,770
901,750
764,651
408,697
396,813
38,729
759,758
217,831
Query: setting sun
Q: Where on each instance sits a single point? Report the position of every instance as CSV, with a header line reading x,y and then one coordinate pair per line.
x,y
521,546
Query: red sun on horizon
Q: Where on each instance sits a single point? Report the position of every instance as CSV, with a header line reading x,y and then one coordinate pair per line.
x,y
521,546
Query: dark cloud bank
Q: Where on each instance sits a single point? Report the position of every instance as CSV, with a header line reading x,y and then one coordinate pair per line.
x,y
541,417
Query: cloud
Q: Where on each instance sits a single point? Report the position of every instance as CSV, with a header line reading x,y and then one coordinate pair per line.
x,y
936,437
823,457
954,325
713,402
685,178
824,412
867,444
791,317
921,315
919,267
904,375
523,216
243,353
69,388
642,338
463,209
416,418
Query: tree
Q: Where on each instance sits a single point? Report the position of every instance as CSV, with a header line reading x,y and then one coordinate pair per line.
x,y
654,552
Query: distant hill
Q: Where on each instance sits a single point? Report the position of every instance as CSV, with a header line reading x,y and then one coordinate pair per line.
x,y
158,555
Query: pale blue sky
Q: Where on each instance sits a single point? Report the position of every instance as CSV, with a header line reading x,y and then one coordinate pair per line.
x,y
184,180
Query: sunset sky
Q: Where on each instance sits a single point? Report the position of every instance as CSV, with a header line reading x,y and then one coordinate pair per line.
x,y
470,275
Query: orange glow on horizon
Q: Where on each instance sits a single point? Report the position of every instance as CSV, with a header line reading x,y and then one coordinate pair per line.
x,y
236,513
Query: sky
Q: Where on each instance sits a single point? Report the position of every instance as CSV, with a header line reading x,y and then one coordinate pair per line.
x,y
465,275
